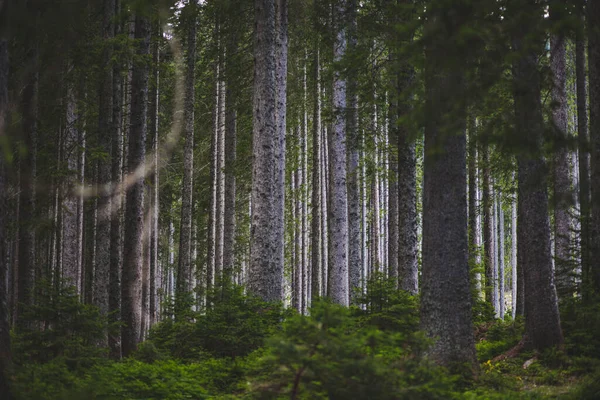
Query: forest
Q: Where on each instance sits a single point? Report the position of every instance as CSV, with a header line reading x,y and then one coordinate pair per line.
x,y
299,199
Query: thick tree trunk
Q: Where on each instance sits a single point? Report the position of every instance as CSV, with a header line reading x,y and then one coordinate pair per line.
x,y
563,195
593,24
103,229
5,353
542,321
184,271
28,163
134,214
584,153
446,314
354,248
338,207
265,275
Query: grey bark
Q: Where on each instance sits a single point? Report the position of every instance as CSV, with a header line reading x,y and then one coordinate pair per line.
x,y
71,256
446,314
563,194
593,24
103,229
265,274
338,209
317,199
473,209
230,157
116,241
154,180
584,151
542,321
5,352
513,255
488,231
354,233
501,308
28,172
131,289
324,210
220,174
184,271
408,273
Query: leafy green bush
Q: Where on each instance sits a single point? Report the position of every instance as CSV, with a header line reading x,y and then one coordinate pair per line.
x,y
60,326
498,338
328,355
387,308
233,327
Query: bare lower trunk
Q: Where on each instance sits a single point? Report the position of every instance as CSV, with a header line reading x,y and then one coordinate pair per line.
x,y
134,214
338,211
317,199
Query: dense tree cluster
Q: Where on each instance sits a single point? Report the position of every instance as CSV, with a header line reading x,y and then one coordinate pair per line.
x,y
155,154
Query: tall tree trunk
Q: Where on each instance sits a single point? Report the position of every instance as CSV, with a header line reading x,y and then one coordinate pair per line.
x,y
584,151
134,214
488,231
116,241
446,314
593,24
338,209
103,229
184,271
71,257
500,258
473,207
28,163
5,353
154,178
354,249
317,199
513,256
563,196
542,321
265,274
220,171
375,204
230,157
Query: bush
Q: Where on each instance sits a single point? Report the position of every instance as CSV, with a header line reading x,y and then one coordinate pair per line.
x,y
233,327
327,355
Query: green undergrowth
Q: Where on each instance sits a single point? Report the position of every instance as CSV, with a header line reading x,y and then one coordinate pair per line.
x,y
243,348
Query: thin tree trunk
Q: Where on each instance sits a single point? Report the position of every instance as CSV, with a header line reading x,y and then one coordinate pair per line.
x,y
116,241
184,271
317,199
473,210
501,309
134,213
230,159
488,231
513,256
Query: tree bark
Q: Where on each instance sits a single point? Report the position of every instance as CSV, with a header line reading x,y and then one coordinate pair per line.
x,y
338,209
317,198
265,274
134,214
563,195
446,315
593,24
184,271
542,321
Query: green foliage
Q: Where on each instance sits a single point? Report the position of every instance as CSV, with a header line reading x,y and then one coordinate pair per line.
x,y
329,355
233,328
59,326
581,323
498,337
387,308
